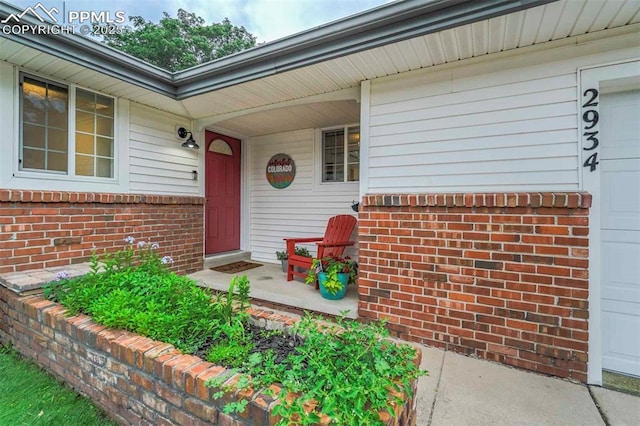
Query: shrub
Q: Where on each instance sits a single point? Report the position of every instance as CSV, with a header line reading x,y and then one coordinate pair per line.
x,y
347,371
134,290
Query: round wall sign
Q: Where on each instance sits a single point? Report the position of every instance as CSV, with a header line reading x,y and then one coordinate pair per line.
x,y
281,170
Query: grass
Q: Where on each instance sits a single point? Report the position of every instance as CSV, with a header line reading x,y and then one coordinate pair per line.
x,y
30,396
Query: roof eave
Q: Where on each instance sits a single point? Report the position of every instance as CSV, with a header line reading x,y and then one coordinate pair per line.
x,y
367,30
384,25
92,55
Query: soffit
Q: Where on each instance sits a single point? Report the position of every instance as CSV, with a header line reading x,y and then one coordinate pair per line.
x,y
309,116
50,66
553,21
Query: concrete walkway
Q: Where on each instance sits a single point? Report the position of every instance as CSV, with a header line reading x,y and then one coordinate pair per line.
x,y
466,391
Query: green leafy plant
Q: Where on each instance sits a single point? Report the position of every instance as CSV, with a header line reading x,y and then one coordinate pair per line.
x,y
299,250
133,289
302,251
332,266
346,371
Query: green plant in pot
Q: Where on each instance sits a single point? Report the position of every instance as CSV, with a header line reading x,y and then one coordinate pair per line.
x,y
333,273
282,256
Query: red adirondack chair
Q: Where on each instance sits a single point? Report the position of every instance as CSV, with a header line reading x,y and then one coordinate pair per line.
x,y
335,240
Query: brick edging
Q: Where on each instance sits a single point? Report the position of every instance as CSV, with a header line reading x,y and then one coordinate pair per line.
x,y
29,196
138,380
501,199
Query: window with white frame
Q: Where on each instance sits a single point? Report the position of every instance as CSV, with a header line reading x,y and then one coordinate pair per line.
x,y
51,129
341,154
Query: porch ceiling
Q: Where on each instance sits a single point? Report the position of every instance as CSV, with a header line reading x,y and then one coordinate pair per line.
x,y
285,119
537,25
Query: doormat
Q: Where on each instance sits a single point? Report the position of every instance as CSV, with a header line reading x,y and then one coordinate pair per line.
x,y
232,268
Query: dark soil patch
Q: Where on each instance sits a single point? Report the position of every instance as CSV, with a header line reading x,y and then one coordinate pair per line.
x,y
281,343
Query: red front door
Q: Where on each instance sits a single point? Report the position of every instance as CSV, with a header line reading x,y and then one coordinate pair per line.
x,y
222,188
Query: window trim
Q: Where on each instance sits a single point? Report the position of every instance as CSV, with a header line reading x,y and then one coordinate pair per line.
x,y
70,175
319,185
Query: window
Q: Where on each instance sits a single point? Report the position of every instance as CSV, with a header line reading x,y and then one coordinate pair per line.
x,y
51,129
94,134
341,155
45,120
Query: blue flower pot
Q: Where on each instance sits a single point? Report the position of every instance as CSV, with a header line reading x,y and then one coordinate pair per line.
x,y
343,278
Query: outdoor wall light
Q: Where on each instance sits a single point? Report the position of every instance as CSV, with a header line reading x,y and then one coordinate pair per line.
x,y
189,143
194,174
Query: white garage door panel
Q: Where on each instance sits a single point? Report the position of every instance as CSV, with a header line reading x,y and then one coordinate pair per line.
x,y
622,124
620,231
619,348
622,268
621,205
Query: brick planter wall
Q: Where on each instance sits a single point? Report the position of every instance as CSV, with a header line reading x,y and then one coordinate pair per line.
x,y
134,379
500,276
43,229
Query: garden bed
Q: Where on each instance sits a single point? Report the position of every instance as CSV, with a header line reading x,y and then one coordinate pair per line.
x,y
137,379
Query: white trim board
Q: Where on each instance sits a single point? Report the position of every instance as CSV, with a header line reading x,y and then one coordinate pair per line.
x,y
594,78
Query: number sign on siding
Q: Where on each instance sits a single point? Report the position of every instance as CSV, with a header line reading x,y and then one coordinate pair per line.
x,y
281,170
590,119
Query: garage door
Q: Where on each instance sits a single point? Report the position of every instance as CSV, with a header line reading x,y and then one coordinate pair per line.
x,y
620,207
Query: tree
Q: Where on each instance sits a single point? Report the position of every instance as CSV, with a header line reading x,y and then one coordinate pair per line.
x,y
179,43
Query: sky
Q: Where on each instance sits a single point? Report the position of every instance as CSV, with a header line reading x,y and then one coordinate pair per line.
x,y
268,20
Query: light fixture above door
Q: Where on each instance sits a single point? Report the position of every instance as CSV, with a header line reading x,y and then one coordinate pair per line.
x,y
189,143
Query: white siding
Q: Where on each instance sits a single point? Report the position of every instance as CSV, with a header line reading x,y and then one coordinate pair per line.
x,y
508,124
157,162
302,209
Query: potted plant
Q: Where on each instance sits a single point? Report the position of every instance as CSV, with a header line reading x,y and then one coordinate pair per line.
x,y
333,273
282,256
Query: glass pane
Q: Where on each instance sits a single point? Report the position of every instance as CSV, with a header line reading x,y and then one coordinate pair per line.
x,y
84,165
32,159
58,140
104,106
57,161
85,122
353,172
333,156
353,154
339,173
33,136
85,101
104,147
354,136
104,167
84,143
34,101
328,174
104,126
57,99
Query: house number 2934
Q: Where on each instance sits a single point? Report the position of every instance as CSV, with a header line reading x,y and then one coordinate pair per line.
x,y
590,119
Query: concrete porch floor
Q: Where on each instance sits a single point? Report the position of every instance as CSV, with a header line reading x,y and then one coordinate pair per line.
x,y
269,283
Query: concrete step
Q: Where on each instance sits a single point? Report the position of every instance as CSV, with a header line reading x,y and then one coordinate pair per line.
x,y
224,258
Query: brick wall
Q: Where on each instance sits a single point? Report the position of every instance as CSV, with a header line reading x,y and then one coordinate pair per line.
x,y
500,276
41,229
137,380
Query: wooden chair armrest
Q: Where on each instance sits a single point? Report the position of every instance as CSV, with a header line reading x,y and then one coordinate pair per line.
x,y
304,240
346,243
291,243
